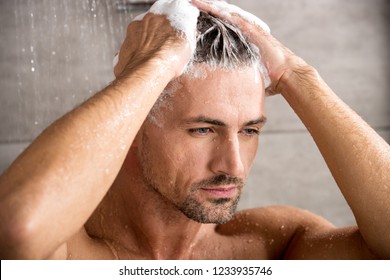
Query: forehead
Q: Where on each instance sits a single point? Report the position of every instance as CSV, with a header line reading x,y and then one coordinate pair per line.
x,y
220,94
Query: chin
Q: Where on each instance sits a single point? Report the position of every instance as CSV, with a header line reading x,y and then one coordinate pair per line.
x,y
220,211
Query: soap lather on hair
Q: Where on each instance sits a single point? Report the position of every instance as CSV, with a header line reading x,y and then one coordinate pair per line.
x,y
217,43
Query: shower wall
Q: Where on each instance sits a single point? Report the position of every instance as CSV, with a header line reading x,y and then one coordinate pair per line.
x,y
54,54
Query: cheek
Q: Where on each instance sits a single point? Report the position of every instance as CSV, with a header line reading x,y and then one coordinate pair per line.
x,y
248,153
175,159
189,156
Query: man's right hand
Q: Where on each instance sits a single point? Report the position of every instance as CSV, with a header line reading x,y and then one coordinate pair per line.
x,y
154,37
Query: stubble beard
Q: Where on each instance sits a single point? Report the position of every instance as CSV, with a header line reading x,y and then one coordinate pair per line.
x,y
213,210
219,211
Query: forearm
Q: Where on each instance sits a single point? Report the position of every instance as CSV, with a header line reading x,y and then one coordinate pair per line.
x,y
358,158
49,192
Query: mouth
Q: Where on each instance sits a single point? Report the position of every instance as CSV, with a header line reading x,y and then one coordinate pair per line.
x,y
221,191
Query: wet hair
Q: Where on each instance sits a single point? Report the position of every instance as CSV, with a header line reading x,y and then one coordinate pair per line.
x,y
222,45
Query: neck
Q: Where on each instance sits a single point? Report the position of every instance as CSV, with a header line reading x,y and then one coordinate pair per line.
x,y
142,221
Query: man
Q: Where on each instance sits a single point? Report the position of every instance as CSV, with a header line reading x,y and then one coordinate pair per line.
x,y
136,174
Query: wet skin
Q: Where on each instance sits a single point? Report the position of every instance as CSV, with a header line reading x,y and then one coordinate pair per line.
x,y
120,191
209,128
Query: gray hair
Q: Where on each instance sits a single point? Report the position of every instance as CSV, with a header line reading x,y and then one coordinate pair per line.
x,y
222,45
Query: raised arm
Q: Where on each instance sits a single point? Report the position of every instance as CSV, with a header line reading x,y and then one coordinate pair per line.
x,y
52,188
358,158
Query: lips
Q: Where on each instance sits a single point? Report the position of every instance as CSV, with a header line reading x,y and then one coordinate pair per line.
x,y
228,191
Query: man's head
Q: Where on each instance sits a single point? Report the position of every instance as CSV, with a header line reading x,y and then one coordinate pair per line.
x,y
198,144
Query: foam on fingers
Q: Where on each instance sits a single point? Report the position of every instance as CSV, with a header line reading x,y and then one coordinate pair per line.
x,y
181,14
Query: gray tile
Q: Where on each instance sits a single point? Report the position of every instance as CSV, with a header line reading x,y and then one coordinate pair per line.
x,y
53,55
8,153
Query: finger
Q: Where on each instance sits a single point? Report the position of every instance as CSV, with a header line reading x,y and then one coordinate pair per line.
x,y
182,15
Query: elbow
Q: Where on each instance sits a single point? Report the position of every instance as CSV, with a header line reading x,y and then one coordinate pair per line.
x,y
18,241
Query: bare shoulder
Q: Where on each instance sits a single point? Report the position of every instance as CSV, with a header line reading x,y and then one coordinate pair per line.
x,y
274,218
292,233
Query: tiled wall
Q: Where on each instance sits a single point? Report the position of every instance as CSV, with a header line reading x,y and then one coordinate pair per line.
x,y
55,54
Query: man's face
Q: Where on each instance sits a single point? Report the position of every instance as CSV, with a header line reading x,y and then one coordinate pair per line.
x,y
199,150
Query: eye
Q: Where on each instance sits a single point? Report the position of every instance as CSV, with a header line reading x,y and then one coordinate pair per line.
x,y
202,131
251,131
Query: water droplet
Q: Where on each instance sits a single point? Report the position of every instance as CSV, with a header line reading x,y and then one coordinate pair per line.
x,y
32,14
53,53
32,61
32,48
282,227
23,50
32,69
36,122
271,241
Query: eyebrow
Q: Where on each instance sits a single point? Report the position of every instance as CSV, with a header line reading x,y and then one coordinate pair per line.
x,y
203,119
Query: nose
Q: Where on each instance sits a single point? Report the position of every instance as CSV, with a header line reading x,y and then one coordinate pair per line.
x,y
227,158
